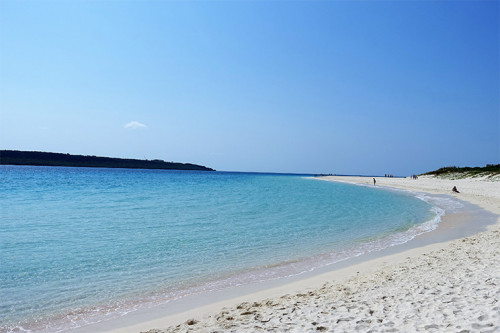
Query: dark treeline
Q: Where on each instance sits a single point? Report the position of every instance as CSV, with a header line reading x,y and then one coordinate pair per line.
x,y
489,168
16,157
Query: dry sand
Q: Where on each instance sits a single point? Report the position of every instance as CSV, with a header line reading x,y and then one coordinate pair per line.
x,y
444,287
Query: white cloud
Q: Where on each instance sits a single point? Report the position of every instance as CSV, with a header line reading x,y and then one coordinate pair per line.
x,y
135,125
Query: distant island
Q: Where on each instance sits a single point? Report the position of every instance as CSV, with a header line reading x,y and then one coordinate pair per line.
x,y
17,157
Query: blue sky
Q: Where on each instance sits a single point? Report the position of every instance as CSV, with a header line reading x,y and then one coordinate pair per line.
x,y
343,87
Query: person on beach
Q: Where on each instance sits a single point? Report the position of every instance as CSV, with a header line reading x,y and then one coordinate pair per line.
x,y
454,189
374,181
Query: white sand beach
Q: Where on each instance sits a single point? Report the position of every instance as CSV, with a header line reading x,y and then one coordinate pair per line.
x,y
451,286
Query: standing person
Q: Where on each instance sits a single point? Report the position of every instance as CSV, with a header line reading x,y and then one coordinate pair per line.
x,y
374,181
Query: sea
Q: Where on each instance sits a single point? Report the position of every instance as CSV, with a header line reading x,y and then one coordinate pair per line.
x,y
83,245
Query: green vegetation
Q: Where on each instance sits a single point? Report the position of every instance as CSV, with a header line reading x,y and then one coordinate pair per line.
x,y
16,157
490,170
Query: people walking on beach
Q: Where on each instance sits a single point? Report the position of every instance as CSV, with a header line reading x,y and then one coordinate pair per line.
x,y
374,181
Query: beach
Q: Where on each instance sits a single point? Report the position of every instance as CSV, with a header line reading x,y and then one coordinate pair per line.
x,y
450,286
211,166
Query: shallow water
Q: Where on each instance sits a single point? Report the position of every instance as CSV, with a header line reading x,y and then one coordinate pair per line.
x,y
80,245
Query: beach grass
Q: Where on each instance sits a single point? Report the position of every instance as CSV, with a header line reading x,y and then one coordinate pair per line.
x,y
490,171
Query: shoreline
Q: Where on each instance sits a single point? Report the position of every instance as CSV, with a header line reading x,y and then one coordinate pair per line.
x,y
366,265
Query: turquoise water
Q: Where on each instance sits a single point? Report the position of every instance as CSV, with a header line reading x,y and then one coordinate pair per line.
x,y
80,243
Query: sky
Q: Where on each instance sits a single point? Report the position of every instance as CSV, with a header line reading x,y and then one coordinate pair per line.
x,y
346,87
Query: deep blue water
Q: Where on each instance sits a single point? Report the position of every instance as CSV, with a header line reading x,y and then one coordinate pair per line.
x,y
76,243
